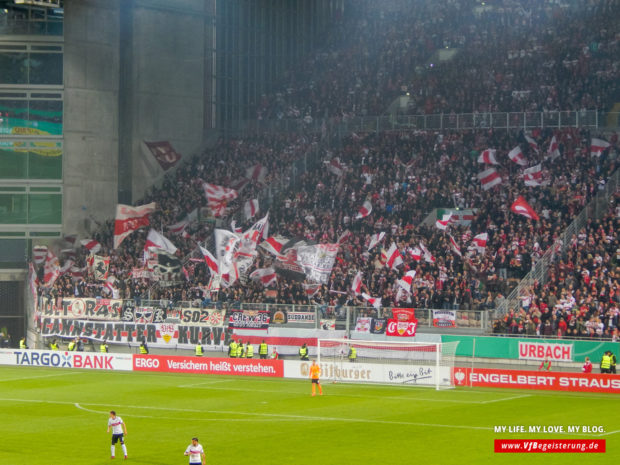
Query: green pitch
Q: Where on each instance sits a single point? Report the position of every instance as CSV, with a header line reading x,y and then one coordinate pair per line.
x,y
56,417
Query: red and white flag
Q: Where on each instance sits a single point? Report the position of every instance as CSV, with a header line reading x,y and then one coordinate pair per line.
x,y
374,301
517,156
51,270
39,252
454,246
554,148
66,267
250,208
356,285
154,240
375,239
521,207
109,286
364,210
489,178
78,273
274,244
311,289
488,156
267,276
256,173
428,256
480,241
178,228
210,260
334,166
598,146
163,152
533,176
234,228
91,245
344,236
406,281
532,143
444,222
394,259
129,218
416,253
218,197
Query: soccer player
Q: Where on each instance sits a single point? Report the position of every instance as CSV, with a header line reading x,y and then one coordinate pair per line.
x,y
315,372
196,453
118,428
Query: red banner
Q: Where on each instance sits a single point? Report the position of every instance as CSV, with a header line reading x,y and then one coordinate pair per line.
x,y
208,366
404,314
401,328
549,381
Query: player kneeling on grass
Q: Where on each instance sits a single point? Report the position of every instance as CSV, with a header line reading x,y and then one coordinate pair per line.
x,y
196,453
118,428
315,373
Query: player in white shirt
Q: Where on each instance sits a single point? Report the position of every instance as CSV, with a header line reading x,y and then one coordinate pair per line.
x,y
118,428
196,453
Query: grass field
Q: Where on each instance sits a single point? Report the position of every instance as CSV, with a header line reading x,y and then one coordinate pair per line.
x,y
57,417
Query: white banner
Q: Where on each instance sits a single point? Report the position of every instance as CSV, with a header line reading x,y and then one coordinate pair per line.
x,y
63,359
362,325
370,372
545,350
444,318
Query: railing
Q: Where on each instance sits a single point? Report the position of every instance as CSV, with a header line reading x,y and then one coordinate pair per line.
x,y
343,317
539,273
448,121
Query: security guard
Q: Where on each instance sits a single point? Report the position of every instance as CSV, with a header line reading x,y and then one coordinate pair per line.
x,y
199,352
232,349
612,366
263,350
103,347
54,345
22,343
352,354
240,349
249,350
303,352
71,346
606,363
144,349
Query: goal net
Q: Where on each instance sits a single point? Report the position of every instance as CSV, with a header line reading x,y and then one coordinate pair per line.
x,y
408,363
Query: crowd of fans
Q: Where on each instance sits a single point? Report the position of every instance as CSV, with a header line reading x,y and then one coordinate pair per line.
x,y
459,56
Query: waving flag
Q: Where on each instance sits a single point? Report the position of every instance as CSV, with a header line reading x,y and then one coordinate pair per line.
x,y
356,285
256,173
91,245
533,176
51,270
311,289
488,156
532,143
154,240
164,153
480,241
210,260
554,148
416,253
218,197
364,210
444,222
428,256
39,252
374,301
375,239
274,244
394,258
108,286
517,156
455,247
406,281
521,207
489,178
267,276
334,166
178,228
598,146
317,261
250,208
129,218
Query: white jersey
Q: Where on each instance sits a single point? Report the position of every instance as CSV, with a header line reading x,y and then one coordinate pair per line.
x,y
116,424
194,452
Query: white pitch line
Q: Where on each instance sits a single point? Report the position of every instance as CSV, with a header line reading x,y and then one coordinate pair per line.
x,y
216,381
610,433
503,399
3,380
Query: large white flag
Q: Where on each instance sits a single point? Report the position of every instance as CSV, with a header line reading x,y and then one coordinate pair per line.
x,y
317,261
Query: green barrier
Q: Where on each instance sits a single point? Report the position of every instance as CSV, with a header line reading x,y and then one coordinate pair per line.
x,y
508,347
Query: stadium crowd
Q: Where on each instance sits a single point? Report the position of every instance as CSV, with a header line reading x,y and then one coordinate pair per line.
x,y
459,56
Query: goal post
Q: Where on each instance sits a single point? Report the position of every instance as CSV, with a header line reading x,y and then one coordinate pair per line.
x,y
429,364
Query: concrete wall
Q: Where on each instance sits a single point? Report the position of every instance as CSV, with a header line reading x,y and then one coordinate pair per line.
x,y
117,97
91,68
